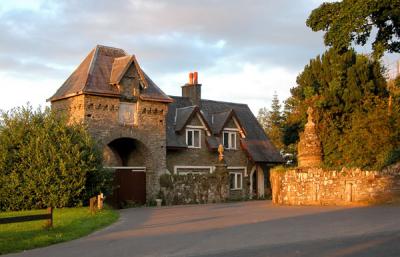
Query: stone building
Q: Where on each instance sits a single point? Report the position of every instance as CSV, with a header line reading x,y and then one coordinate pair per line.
x,y
144,133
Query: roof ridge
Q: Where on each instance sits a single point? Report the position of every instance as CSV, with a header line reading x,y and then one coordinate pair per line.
x,y
91,66
187,107
111,47
217,101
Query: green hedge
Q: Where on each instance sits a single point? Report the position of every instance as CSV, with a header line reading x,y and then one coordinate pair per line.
x,y
46,162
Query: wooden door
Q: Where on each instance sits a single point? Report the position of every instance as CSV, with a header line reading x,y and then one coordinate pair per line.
x,y
130,186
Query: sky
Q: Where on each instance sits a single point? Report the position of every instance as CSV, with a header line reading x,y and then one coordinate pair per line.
x,y
243,50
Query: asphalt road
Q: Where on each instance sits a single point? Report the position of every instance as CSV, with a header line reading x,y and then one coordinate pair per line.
x,y
255,228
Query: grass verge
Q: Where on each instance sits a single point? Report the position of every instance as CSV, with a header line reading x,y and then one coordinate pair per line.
x,y
68,224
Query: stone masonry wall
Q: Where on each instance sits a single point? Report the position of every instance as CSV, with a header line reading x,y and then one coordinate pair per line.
x,y
195,188
316,186
73,108
101,116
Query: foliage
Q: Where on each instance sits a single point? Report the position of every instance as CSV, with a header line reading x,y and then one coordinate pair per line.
x,y
272,122
353,21
349,94
45,162
68,224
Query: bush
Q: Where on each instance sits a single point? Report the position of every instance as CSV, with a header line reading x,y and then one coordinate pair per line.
x,y
46,162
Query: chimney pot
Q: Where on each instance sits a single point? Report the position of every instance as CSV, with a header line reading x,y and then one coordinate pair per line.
x,y
191,78
195,78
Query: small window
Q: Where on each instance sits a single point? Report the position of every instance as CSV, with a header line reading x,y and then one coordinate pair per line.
x,y
235,180
193,138
229,140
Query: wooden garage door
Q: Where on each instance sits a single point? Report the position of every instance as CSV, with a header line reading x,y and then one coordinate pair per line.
x,y
130,186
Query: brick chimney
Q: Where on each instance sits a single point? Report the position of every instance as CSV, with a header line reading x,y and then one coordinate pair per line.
x,y
192,89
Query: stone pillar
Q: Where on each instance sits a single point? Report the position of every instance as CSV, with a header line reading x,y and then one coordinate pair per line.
x,y
222,177
309,147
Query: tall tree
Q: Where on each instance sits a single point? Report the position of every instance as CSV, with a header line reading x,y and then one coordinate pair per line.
x,y
348,92
272,121
353,21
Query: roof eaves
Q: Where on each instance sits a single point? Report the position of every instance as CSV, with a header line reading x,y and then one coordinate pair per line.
x,y
156,99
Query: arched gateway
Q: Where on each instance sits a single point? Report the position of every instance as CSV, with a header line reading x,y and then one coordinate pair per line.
x,y
129,158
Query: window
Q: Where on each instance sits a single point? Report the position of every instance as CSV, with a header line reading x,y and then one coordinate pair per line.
x,y
229,140
235,180
193,138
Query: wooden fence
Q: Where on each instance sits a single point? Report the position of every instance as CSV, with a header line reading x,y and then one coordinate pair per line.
x,y
48,216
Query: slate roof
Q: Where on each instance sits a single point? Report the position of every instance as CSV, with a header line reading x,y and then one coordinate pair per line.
x,y
256,144
103,67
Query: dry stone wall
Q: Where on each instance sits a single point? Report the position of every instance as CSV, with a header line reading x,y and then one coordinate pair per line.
x,y
316,186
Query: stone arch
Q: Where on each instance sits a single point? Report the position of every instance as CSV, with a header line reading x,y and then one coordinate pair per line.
x,y
251,187
126,149
126,152
258,175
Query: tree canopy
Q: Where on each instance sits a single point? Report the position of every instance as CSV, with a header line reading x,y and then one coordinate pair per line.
x,y
350,96
354,21
45,162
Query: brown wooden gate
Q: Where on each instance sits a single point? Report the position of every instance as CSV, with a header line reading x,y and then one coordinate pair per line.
x,y
130,186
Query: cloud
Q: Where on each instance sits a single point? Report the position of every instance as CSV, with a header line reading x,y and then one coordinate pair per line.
x,y
221,39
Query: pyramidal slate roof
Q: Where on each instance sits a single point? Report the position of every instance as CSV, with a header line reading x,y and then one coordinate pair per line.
x,y
98,73
216,113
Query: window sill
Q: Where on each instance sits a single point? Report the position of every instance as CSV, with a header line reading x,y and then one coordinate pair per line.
x,y
236,189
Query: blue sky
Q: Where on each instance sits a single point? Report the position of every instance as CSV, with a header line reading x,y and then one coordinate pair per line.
x,y
244,50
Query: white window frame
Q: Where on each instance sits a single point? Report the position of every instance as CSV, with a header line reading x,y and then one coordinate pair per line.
x,y
239,168
235,186
177,167
230,145
192,130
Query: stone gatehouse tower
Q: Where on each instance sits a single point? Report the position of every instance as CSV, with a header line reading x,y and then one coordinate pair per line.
x,y
124,110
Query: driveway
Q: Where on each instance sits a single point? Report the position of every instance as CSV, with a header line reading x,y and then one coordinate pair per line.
x,y
255,228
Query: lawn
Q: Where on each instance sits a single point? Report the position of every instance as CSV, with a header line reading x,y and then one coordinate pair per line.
x,y
68,224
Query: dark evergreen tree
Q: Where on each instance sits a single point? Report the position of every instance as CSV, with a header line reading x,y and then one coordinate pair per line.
x,y
272,121
350,96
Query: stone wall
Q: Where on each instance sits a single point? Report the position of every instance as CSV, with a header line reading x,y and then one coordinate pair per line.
x,y
149,132
101,115
316,186
196,188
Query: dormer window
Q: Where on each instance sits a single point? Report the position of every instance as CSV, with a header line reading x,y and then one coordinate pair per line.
x,y
193,138
229,140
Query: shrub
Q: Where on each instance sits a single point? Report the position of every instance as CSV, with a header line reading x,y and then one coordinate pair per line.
x,y
46,162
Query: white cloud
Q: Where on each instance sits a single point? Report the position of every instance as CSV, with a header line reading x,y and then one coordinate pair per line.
x,y
19,91
250,84
244,50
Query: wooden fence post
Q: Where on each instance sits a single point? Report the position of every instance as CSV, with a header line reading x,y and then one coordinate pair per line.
x,y
49,221
100,199
92,202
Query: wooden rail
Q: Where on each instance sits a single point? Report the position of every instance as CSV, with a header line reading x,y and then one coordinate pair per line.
x,y
47,216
